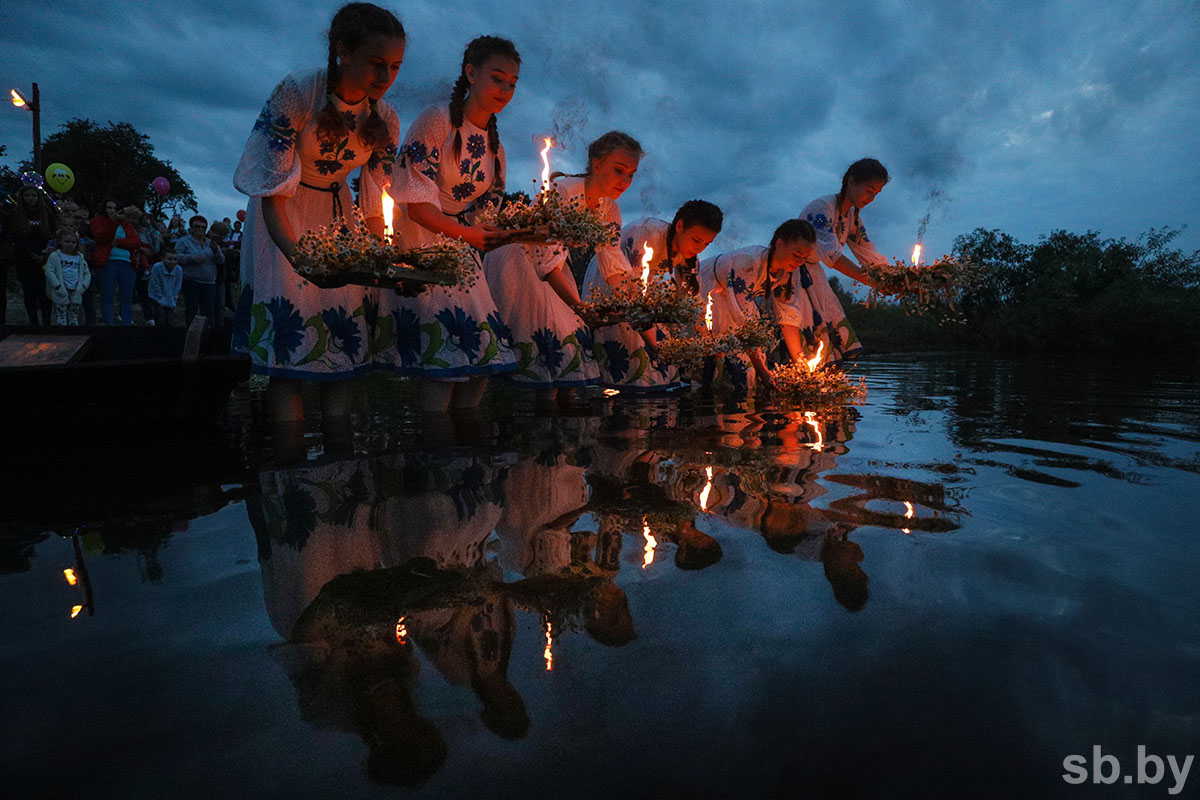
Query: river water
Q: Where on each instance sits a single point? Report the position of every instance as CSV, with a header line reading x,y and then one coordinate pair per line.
x,y
989,567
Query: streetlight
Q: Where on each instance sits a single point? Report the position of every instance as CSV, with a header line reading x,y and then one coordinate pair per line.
x,y
35,107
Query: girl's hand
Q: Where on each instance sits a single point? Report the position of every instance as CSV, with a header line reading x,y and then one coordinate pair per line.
x,y
485,237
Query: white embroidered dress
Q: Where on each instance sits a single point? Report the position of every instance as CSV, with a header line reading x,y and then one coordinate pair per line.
x,y
290,327
739,287
625,363
444,332
554,347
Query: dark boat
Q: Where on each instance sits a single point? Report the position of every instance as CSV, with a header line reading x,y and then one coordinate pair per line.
x,y
59,379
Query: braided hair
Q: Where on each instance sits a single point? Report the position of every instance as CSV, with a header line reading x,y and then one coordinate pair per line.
x,y
478,51
352,25
791,231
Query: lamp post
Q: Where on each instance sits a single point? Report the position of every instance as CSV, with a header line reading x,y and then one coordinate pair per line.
x,y
35,107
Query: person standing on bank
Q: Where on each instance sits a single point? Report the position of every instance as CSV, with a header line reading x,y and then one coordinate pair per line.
x,y
315,130
200,257
452,338
813,312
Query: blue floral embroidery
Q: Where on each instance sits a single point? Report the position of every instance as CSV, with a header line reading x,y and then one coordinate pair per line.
x,y
586,339
480,177
408,336
281,136
463,190
343,330
287,328
476,146
462,328
370,310
349,155
819,221
414,152
464,168
499,327
618,359
736,283
299,516
550,348
351,120
384,160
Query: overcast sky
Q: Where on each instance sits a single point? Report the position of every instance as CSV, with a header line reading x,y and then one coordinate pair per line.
x,y
1025,116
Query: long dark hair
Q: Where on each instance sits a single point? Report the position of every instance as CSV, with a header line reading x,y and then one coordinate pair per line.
x,y
22,220
790,231
477,53
694,212
352,25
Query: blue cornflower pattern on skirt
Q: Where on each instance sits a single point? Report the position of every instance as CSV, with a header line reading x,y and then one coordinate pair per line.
x,y
287,328
550,347
618,359
463,330
498,326
343,330
408,336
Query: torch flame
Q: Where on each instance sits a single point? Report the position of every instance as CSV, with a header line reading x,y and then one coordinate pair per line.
x,y
401,631
708,315
75,611
651,543
916,256
811,421
17,100
706,490
547,653
546,164
647,254
815,361
69,574
388,207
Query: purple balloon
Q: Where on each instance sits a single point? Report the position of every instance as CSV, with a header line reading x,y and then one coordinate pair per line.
x,y
161,185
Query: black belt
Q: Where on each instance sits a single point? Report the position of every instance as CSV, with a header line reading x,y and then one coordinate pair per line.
x,y
335,190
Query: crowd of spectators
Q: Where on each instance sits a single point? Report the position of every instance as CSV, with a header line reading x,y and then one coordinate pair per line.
x,y
65,262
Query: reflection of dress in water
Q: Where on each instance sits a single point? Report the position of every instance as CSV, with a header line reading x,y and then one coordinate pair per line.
x,y
624,361
289,326
445,332
322,520
539,496
553,346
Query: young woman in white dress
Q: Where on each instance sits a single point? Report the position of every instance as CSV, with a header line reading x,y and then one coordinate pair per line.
x,y
452,338
817,314
752,281
315,130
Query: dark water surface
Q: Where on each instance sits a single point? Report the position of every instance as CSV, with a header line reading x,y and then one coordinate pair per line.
x,y
989,567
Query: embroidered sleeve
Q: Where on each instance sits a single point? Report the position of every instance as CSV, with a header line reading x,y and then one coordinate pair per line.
x,y
419,160
821,214
610,260
862,247
270,164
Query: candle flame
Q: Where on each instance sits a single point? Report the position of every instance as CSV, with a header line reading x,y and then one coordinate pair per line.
x,y
916,256
17,100
401,631
548,654
647,254
706,490
811,421
75,611
908,514
815,361
651,543
69,574
546,164
388,207
611,392
708,313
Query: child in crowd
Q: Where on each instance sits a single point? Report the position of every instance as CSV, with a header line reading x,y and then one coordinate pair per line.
x,y
166,279
67,278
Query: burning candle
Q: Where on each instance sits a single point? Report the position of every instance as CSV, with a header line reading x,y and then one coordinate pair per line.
x,y
815,361
651,543
388,207
916,256
546,166
401,631
647,254
708,324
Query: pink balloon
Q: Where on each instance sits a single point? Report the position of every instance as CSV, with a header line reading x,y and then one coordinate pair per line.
x,y
161,185
241,215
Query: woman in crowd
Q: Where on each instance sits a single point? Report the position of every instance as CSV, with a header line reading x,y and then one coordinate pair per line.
x,y
316,129
739,281
32,227
813,314
452,337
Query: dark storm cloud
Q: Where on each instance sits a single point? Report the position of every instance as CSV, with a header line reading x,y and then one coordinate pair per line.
x,y
1029,115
